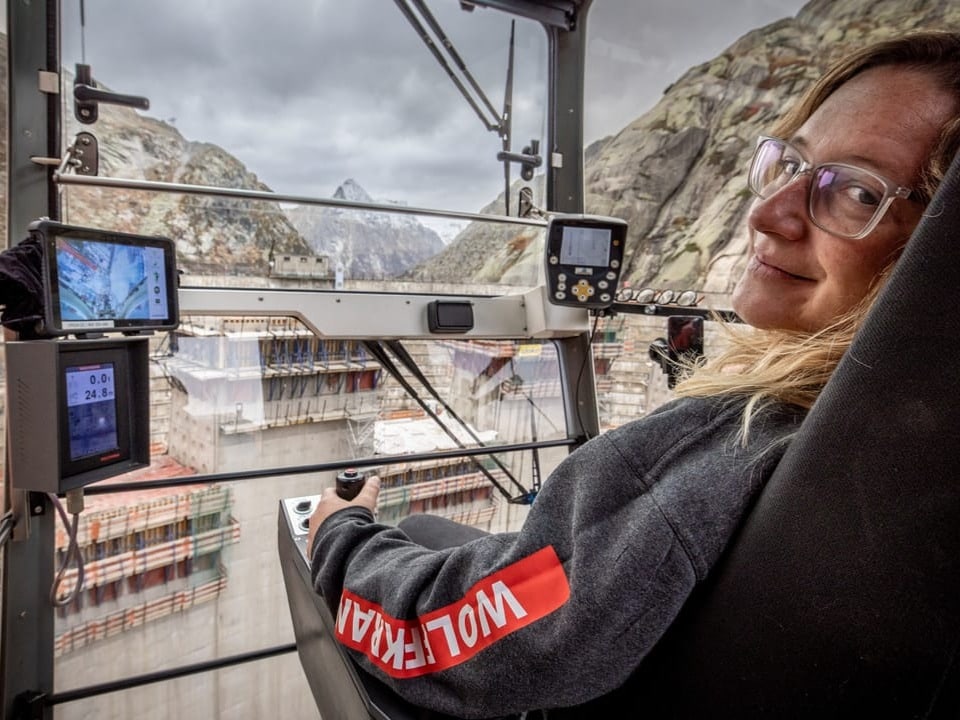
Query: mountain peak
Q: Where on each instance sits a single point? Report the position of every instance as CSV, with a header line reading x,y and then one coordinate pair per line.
x,y
350,190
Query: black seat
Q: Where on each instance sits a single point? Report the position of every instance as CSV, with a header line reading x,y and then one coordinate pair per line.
x,y
840,595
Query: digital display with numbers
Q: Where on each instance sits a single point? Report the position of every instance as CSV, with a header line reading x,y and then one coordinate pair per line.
x,y
91,410
79,410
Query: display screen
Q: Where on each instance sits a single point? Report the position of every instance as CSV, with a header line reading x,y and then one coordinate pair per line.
x,y
585,246
100,283
91,410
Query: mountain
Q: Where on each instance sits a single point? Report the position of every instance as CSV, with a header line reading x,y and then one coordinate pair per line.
x,y
370,245
677,173
219,236
213,235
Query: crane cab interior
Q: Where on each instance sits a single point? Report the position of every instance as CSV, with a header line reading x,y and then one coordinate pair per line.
x,y
159,468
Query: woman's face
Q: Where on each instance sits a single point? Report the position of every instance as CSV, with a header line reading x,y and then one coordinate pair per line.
x,y
800,277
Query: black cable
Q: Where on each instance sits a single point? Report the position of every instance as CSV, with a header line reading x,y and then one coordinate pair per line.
x,y
182,671
438,56
83,38
376,461
71,555
534,410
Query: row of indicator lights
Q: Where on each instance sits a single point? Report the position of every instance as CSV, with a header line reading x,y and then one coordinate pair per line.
x,y
644,296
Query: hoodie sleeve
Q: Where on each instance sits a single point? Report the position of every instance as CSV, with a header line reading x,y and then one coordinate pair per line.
x,y
561,611
21,285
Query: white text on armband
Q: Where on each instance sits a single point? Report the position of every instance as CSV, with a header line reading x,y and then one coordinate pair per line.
x,y
491,609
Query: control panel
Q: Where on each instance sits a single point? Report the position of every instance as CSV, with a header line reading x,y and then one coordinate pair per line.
x,y
583,259
340,688
296,512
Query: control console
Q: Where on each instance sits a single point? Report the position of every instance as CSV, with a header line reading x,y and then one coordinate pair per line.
x,y
583,259
295,514
341,689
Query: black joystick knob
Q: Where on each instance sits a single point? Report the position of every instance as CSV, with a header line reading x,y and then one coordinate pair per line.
x,y
349,483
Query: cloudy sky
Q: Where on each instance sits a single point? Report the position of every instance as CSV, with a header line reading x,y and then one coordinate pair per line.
x,y
308,93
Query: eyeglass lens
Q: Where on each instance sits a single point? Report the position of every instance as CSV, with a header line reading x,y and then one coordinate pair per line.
x,y
842,199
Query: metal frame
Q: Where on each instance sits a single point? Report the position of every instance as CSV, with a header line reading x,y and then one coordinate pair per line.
x,y
26,660
62,178
361,316
34,133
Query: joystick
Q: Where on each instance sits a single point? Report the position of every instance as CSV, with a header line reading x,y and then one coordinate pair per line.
x,y
349,483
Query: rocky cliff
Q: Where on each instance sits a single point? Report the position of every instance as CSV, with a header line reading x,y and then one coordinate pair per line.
x,y
213,235
676,174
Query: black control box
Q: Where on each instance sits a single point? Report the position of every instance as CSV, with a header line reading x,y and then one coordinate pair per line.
x,y
583,259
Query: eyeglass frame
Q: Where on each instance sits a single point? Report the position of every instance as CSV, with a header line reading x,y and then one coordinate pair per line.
x,y
891,189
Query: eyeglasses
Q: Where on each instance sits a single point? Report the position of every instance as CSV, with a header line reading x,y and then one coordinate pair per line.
x,y
842,199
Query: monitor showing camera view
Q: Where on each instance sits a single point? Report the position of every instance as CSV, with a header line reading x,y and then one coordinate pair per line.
x,y
100,281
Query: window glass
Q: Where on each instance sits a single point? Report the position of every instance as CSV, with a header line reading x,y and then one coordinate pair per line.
x,y
337,101
263,398
340,101
671,113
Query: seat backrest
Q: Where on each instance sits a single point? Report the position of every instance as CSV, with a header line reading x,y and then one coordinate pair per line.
x,y
840,596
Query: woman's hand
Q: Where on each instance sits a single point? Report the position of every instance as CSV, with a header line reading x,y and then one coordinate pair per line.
x,y
330,502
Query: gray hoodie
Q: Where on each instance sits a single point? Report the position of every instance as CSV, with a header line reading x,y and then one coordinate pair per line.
x,y
565,609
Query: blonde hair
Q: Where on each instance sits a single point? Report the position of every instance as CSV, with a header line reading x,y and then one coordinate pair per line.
x,y
766,366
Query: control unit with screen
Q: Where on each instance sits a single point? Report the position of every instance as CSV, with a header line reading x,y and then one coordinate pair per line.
x,y
79,410
583,259
98,281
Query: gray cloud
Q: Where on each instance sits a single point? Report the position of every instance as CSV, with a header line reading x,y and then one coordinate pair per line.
x,y
307,94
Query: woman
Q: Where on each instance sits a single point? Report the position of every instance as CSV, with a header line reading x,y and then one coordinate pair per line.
x,y
565,609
